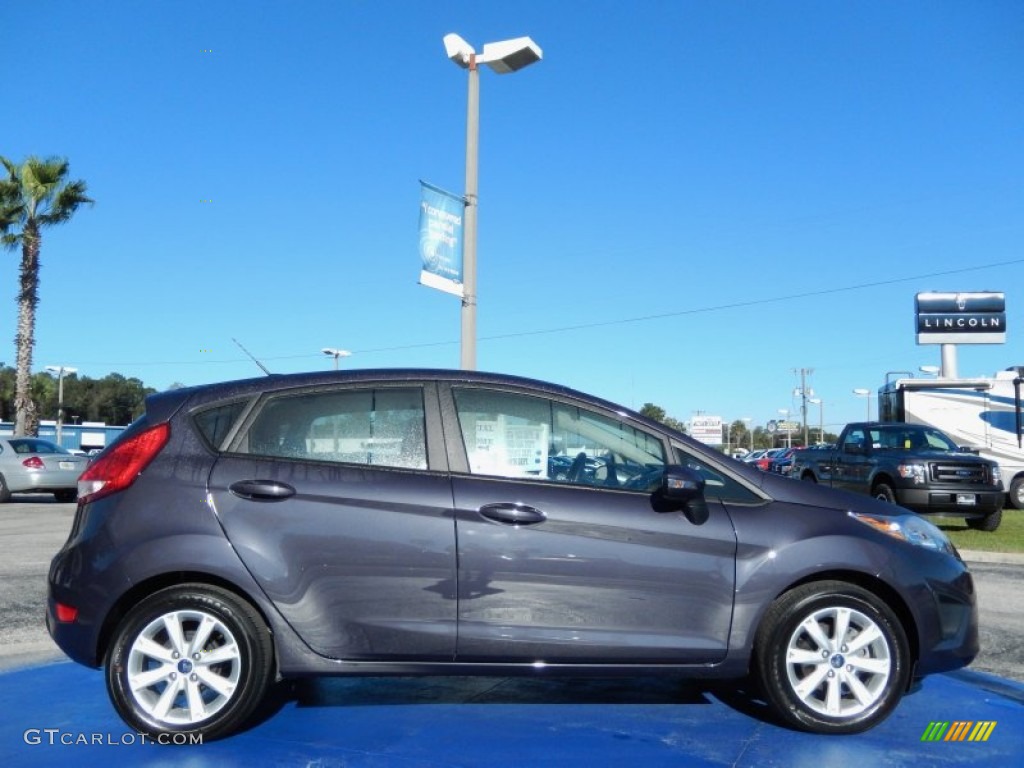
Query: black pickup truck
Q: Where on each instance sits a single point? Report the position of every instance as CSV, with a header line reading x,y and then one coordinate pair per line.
x,y
913,465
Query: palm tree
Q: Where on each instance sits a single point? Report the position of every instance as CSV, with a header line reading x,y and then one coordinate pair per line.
x,y
35,195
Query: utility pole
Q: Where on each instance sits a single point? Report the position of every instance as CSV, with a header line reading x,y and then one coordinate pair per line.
x,y
804,373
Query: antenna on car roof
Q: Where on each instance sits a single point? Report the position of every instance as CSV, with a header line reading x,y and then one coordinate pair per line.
x,y
251,356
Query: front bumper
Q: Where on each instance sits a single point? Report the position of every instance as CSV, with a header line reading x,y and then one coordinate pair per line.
x,y
956,501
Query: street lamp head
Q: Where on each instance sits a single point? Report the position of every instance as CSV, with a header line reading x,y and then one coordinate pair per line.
x,y
511,55
862,392
458,50
61,370
336,352
503,56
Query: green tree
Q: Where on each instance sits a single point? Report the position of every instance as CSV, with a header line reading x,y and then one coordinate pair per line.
x,y
35,195
657,413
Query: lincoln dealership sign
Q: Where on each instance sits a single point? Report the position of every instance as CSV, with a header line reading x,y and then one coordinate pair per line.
x,y
961,318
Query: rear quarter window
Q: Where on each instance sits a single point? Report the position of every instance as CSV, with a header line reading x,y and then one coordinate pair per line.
x,y
215,423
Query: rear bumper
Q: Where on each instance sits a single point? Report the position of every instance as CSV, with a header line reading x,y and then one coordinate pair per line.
x,y
27,482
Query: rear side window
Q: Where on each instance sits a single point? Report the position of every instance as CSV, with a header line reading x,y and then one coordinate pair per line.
x,y
215,423
380,427
32,445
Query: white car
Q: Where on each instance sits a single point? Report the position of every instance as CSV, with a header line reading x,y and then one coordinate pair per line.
x,y
30,465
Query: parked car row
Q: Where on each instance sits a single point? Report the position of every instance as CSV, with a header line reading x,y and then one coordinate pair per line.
x,y
779,460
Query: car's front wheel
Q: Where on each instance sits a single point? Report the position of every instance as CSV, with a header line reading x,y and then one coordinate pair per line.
x,y
190,659
883,492
832,658
989,522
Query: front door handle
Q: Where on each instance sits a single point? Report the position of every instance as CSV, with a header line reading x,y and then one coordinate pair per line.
x,y
262,490
512,514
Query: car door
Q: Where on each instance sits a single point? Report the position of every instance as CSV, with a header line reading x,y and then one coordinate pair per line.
x,y
338,501
852,464
577,565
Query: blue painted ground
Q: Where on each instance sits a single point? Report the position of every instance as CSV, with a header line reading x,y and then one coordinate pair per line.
x,y
54,713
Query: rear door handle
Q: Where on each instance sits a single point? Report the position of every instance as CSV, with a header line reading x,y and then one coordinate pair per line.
x,y
512,514
262,490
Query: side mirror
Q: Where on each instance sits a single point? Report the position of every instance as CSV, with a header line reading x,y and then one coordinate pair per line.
x,y
682,490
854,449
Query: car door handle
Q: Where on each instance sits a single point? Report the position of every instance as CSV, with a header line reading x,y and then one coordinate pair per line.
x,y
262,490
512,514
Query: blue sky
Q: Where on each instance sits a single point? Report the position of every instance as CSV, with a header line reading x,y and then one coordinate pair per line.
x,y
710,194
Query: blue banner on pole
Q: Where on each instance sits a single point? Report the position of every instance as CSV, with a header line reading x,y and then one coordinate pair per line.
x,y
441,216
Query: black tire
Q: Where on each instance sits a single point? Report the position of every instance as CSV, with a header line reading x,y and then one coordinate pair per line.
x,y
809,477
838,687
989,522
66,495
1016,493
5,492
883,492
210,688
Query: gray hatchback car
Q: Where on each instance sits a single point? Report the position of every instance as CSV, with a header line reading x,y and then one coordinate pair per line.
x,y
447,522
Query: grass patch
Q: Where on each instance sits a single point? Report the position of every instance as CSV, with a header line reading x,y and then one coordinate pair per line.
x,y
1009,537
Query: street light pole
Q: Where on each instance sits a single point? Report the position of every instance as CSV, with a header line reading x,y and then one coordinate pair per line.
x,y
468,353
821,416
866,394
336,353
785,419
60,370
503,57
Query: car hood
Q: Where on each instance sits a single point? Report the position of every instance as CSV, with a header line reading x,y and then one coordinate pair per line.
x,y
782,488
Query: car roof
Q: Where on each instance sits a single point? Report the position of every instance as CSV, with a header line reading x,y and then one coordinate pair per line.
x,y
162,404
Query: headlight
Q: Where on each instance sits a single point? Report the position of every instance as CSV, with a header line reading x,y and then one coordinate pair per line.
x,y
997,474
909,528
915,472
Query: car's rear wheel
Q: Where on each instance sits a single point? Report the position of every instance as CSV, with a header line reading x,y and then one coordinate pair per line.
x,y
5,491
190,659
832,658
65,496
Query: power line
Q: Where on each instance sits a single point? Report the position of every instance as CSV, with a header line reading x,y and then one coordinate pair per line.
x,y
607,323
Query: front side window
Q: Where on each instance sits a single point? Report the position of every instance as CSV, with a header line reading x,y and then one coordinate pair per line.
x,y
717,484
512,435
380,427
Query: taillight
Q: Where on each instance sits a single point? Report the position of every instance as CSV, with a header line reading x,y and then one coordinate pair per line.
x,y
120,464
66,613
33,462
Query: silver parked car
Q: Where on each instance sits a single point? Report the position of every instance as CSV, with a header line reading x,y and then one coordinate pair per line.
x,y
30,465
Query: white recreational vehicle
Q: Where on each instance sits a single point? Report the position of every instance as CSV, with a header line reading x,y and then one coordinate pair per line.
x,y
982,413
